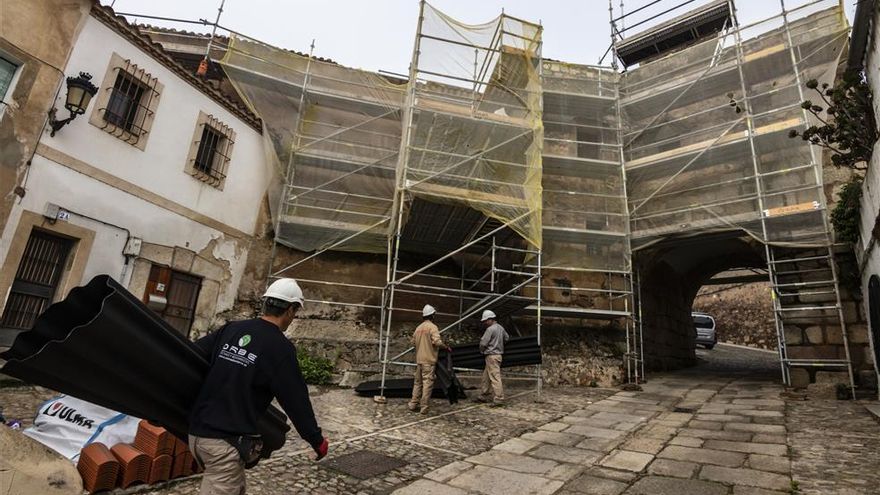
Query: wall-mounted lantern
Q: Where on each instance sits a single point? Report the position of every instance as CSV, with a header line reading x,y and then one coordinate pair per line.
x,y
79,93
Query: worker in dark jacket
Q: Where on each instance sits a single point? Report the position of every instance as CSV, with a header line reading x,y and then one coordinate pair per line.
x,y
251,362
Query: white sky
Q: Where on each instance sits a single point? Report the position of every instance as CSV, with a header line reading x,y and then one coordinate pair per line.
x,y
378,34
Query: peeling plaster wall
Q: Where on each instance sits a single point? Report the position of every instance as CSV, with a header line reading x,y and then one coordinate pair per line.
x,y
39,76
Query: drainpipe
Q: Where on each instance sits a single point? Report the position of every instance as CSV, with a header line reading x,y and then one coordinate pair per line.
x,y
127,256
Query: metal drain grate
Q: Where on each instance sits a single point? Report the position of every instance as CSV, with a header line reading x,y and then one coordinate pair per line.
x,y
363,464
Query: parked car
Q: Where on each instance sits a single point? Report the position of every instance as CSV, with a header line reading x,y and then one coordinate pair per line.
x,y
704,325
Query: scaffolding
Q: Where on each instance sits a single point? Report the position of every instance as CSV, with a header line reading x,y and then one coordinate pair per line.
x,y
490,178
587,255
444,167
707,149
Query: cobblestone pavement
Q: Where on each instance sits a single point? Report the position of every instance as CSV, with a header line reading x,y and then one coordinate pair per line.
x,y
723,427
718,428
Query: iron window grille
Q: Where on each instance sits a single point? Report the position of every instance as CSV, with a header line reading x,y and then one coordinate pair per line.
x,y
129,106
212,151
36,280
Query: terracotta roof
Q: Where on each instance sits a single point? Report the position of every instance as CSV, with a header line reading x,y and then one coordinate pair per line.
x,y
132,33
222,39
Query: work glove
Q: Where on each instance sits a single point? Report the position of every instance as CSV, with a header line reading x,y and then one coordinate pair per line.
x,y
321,450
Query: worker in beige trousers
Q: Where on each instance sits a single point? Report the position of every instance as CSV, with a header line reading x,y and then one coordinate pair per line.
x,y
427,342
492,346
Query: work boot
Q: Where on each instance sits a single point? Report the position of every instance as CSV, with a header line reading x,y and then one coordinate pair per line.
x,y
424,410
482,400
497,403
413,407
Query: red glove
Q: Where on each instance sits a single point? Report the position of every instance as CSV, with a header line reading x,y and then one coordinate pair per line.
x,y
321,451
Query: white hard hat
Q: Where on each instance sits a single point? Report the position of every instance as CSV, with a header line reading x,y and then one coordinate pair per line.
x,y
428,310
285,289
487,314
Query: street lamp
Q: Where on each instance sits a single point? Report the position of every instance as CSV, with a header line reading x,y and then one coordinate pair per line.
x,y
79,93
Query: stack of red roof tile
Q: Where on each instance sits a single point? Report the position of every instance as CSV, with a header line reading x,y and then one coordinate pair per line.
x,y
134,465
183,465
153,440
160,469
98,468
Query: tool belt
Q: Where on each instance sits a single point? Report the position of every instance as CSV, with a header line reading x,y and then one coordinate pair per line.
x,y
249,447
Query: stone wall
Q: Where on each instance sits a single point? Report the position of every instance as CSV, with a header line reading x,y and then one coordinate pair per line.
x,y
667,326
743,313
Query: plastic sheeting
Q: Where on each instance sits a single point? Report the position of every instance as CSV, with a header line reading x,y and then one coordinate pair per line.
x,y
336,144
336,132
695,164
476,132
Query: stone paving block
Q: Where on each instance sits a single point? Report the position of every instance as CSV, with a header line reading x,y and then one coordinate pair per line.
x,y
565,472
554,426
611,474
636,400
753,428
593,432
592,485
642,444
658,485
734,436
765,438
584,413
598,422
675,416
600,444
747,477
747,447
628,461
575,420
448,471
761,420
760,402
494,481
571,455
706,425
724,418
675,469
514,462
625,426
517,445
751,490
776,464
621,417
687,441
564,439
761,414
703,456
428,487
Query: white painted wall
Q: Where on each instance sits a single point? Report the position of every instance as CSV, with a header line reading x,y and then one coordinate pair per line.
x,y
159,168
868,252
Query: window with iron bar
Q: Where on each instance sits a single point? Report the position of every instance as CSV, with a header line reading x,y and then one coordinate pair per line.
x,y
127,102
210,151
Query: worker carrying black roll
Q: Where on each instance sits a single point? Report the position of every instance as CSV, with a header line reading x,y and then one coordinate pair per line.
x,y
251,362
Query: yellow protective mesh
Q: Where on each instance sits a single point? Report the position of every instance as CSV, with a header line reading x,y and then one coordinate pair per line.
x,y
337,156
690,164
476,131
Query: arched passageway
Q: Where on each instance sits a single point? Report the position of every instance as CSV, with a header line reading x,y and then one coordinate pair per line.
x,y
672,273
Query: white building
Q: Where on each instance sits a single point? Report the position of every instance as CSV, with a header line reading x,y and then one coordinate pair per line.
x,y
159,184
865,54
